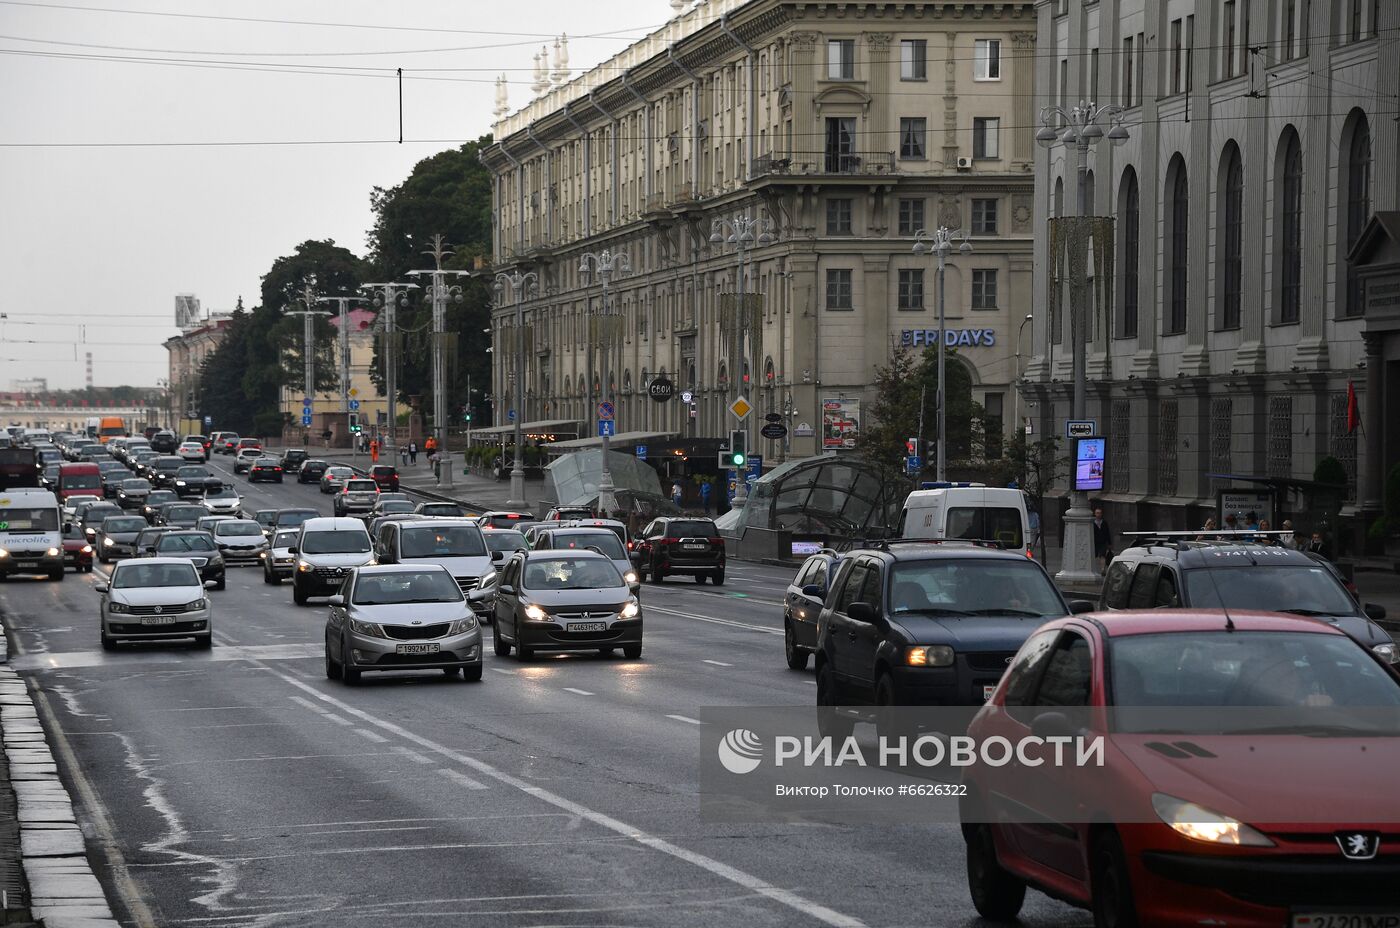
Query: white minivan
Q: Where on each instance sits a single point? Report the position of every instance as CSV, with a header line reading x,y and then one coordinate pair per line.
x,y
969,511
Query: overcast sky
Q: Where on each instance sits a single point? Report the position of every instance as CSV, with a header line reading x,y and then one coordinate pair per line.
x,y
102,228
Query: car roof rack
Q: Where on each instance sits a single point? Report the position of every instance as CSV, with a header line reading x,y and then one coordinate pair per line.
x,y
884,544
1180,539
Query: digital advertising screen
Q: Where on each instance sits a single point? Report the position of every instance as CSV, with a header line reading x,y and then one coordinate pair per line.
x,y
1088,463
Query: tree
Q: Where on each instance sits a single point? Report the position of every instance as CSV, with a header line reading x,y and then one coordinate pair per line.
x,y
907,387
221,377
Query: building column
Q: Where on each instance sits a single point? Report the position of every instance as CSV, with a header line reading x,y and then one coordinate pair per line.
x,y
1023,75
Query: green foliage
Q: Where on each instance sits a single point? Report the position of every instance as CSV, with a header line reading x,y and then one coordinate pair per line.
x,y
1330,470
270,422
1038,465
221,376
904,387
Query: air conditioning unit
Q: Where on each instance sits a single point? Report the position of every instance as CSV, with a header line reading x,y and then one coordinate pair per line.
x,y
964,164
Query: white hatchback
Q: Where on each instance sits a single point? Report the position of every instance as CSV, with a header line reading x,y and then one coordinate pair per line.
x,y
192,451
155,599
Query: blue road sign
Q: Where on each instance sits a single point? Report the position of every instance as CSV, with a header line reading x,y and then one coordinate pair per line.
x,y
605,410
641,452
305,419
914,463
354,405
510,415
606,427
755,468
306,401
208,421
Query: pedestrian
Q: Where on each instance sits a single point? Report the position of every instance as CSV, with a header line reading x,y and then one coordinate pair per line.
x,y
403,455
677,494
374,451
1103,539
1289,540
705,490
1316,545
413,453
1210,526
1251,522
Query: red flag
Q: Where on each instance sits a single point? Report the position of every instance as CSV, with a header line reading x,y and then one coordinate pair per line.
x,y
1353,409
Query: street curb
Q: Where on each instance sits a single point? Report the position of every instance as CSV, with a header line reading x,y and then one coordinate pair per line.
x,y
63,890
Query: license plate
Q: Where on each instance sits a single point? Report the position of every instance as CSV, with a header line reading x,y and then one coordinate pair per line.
x,y
587,626
22,564
987,692
157,620
418,648
695,547
1346,920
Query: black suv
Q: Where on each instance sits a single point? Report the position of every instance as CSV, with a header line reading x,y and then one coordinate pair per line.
x,y
1163,572
680,546
292,459
164,442
927,623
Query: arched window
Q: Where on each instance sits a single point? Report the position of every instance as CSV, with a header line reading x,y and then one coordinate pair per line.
x,y
723,379
627,381
1059,197
1229,212
1288,227
1174,294
769,375
1356,162
1089,194
690,375
1128,247
568,386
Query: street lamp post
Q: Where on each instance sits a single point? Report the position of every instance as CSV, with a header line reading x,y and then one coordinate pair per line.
x,y
517,284
607,263
1083,128
440,292
308,332
939,243
744,233
1019,333
389,297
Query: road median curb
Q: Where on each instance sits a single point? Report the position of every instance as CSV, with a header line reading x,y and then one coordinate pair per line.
x,y
60,888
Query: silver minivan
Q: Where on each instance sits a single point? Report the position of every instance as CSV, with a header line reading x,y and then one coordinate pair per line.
x,y
456,544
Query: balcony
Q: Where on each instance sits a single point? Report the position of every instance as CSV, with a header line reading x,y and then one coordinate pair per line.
x,y
824,164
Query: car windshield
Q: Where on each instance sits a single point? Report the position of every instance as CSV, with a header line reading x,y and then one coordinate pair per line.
x,y
361,486
339,472
505,541
193,472
1003,586
443,541
238,529
177,513
294,517
123,524
179,544
1246,670
427,586
335,543
29,520
79,481
284,539
95,514
1273,587
568,573
606,543
395,505
691,528
111,467
221,493
136,484
135,575
265,517
161,496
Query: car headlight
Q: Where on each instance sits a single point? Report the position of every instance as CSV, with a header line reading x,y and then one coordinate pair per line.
x,y
196,605
118,608
1192,821
107,542
87,549
304,567
179,483
631,610
1387,652
462,626
934,655
535,613
368,629
53,552
630,576
4,553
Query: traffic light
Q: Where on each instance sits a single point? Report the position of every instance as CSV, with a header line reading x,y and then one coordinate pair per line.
x,y
467,416
354,423
911,447
737,456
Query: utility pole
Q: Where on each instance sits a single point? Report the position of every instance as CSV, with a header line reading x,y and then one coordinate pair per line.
x,y
940,243
517,284
440,292
607,264
308,319
389,297
343,311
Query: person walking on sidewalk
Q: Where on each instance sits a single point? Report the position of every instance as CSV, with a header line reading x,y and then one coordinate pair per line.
x,y
1103,540
677,494
403,455
413,453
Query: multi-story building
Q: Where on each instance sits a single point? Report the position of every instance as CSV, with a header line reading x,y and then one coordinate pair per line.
x,y
187,352
850,127
1262,140
330,409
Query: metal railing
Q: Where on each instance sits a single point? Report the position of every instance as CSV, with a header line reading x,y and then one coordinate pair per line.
x,y
807,163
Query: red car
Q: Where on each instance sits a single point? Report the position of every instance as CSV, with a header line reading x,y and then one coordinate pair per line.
x,y
386,476
1219,815
77,551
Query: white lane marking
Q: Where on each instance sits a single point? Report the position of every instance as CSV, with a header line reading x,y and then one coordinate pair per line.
x,y
811,682
716,663
706,618
570,689
368,735
461,778
509,673
722,870
684,718
412,755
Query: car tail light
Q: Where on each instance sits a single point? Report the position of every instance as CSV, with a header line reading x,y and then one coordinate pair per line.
x,y
669,541
715,541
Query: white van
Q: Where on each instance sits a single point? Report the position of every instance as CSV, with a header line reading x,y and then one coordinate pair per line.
x,y
30,538
971,511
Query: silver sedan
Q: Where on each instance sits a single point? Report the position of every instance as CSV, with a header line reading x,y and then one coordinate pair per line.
x,y
401,617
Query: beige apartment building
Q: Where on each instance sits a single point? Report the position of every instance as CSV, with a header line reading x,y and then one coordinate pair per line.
x,y
849,128
185,354
351,354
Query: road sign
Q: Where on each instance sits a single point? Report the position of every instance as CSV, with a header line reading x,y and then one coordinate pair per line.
x,y
605,410
662,389
510,415
773,430
1081,428
773,417
641,452
208,421
687,396
306,401
305,419
914,463
354,405
740,408
754,467
354,391
606,427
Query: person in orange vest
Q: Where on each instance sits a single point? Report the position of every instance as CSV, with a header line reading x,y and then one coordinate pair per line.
x,y
430,445
374,450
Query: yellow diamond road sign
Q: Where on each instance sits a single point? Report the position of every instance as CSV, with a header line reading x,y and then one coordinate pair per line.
x,y
354,391
740,408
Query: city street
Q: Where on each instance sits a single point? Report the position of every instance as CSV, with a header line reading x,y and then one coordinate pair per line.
x,y
240,787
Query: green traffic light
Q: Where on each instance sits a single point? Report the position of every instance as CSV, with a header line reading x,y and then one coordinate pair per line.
x,y
739,460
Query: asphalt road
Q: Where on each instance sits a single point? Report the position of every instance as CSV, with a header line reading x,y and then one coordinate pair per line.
x,y
239,787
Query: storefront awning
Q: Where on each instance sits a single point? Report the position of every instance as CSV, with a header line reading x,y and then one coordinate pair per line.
x,y
545,425
622,441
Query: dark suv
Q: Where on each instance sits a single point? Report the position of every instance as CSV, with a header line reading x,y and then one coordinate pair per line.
x,y
680,546
927,623
1165,572
292,459
386,476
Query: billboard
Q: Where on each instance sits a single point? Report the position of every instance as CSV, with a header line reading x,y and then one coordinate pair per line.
x,y
840,423
187,312
1088,463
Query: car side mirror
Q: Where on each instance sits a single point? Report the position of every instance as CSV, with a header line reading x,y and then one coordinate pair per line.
x,y
292,550
507,588
101,587
498,555
1374,611
337,600
211,584
1053,725
1080,606
864,612
813,591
